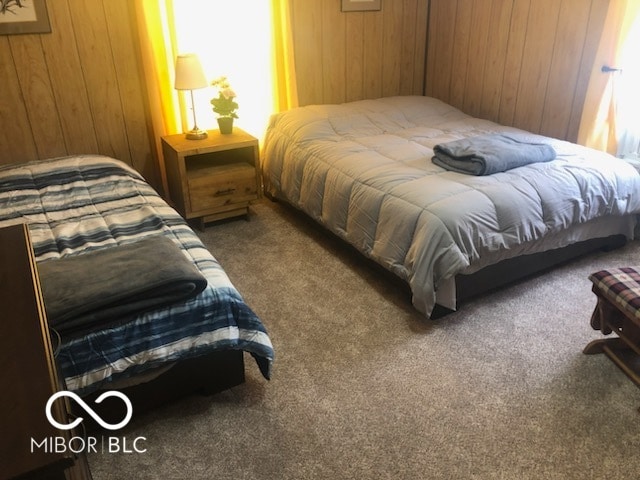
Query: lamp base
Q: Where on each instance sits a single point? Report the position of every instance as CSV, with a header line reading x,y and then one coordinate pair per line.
x,y
196,134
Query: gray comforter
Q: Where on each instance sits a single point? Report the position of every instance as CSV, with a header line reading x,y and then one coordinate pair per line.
x,y
364,171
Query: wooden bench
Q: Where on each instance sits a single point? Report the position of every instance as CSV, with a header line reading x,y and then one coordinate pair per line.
x,y
618,311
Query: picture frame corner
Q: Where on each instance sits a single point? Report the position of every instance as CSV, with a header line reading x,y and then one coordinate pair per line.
x,y
35,22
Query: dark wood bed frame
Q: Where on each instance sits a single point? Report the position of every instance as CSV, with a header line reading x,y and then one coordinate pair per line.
x,y
204,375
516,269
488,278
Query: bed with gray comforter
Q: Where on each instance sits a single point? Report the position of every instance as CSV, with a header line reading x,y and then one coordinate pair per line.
x,y
366,171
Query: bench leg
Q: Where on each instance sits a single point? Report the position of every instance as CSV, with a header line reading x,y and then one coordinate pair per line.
x,y
597,346
623,350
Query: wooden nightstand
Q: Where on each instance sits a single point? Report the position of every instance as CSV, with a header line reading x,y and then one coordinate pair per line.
x,y
214,178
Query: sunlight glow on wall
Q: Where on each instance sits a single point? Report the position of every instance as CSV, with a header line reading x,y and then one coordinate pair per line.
x,y
231,39
628,114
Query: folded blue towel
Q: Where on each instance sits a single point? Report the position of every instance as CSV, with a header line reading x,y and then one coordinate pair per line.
x,y
492,153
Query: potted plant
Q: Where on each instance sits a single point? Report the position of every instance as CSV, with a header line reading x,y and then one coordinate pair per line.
x,y
224,104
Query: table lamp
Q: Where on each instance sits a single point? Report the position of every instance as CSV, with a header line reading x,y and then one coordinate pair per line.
x,y
190,76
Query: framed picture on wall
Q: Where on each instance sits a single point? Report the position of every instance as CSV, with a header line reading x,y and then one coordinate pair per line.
x,y
361,5
23,16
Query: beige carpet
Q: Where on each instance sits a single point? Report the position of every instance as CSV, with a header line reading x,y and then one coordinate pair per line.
x,y
364,388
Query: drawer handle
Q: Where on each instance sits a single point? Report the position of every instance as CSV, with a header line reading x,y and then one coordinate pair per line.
x,y
221,193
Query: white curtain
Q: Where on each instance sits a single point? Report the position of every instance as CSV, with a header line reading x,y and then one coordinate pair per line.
x,y
628,96
610,109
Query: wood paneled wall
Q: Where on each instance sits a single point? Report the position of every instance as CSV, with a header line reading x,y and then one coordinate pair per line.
x,y
345,56
524,63
78,89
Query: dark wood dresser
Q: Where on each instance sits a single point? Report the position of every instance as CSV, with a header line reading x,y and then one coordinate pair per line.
x,y
27,371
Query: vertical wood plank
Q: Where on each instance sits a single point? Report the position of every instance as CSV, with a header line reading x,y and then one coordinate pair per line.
x,y
373,46
565,66
513,62
96,57
537,53
460,55
307,17
129,77
527,63
480,22
69,90
432,48
333,54
496,54
407,62
444,35
422,17
38,96
392,48
64,99
595,25
354,38
16,139
346,56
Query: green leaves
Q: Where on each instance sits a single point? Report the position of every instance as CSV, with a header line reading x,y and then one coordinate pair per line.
x,y
224,104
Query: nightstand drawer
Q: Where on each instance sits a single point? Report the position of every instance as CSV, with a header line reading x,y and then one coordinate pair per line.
x,y
222,185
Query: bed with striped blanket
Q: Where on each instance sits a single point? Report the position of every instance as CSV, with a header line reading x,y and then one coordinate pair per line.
x,y
80,204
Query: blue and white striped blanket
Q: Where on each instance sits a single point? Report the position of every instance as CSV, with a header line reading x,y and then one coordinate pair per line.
x,y
84,203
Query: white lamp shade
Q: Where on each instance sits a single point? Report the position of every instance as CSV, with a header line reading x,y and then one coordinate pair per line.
x,y
189,73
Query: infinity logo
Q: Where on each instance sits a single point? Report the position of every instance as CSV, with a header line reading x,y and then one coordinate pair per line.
x,y
89,410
